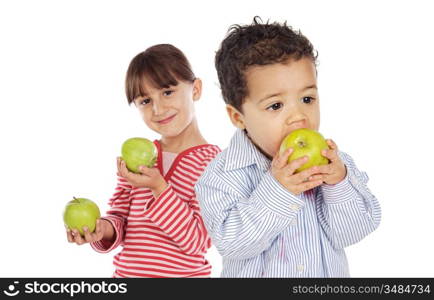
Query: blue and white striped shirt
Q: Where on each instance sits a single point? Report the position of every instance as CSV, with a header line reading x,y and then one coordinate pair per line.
x,y
263,230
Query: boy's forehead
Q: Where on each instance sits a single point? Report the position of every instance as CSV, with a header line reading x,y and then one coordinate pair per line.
x,y
292,76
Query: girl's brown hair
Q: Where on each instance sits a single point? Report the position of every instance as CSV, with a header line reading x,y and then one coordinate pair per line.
x,y
163,65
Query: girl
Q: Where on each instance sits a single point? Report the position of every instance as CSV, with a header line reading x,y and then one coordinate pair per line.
x,y
154,215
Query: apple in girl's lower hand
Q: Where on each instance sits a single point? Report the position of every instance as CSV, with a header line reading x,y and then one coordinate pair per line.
x,y
139,152
81,212
305,142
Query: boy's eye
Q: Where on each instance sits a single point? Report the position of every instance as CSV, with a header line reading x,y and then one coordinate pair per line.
x,y
168,93
308,100
275,106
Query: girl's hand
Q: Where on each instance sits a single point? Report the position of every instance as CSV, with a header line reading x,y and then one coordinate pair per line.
x,y
149,177
103,229
335,171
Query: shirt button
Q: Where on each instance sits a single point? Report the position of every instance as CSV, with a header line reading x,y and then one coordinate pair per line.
x,y
300,268
294,207
293,222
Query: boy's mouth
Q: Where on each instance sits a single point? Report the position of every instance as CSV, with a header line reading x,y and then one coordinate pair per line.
x,y
167,120
297,125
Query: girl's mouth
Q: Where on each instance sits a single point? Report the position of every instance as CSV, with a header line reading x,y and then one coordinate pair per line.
x,y
167,120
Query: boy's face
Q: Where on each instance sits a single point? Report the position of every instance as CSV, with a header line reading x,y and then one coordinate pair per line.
x,y
281,97
169,111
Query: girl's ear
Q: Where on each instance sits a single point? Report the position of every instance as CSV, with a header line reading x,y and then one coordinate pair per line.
x,y
197,89
236,117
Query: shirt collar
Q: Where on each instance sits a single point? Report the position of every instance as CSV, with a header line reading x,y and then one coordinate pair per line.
x,y
242,153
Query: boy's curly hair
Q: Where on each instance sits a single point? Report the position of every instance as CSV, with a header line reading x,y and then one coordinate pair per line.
x,y
256,44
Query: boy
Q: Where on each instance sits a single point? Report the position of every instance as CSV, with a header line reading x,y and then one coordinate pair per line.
x,y
265,220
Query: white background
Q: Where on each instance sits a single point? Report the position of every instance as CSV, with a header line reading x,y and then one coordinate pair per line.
x,y
64,115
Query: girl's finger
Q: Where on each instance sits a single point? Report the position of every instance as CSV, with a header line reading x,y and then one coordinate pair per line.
x,y
69,236
124,171
118,163
99,228
87,235
77,237
145,170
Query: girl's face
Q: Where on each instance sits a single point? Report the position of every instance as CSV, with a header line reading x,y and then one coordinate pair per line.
x,y
169,111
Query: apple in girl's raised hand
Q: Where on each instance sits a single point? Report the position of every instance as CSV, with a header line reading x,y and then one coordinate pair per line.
x,y
305,142
139,152
81,212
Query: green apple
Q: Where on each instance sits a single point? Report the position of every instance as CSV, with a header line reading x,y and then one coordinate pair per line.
x,y
81,212
137,152
305,142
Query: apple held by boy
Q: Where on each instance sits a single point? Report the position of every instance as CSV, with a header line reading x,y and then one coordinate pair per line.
x,y
79,213
139,152
305,142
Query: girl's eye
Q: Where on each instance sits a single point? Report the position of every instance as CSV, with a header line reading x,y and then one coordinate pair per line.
x,y
167,93
145,101
307,100
275,106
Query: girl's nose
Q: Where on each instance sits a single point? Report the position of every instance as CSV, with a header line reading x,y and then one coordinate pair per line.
x,y
157,108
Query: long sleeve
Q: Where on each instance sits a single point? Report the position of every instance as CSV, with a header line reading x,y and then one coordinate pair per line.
x,y
243,224
117,215
180,220
348,211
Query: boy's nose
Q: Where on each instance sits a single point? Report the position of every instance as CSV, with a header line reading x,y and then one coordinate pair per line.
x,y
296,119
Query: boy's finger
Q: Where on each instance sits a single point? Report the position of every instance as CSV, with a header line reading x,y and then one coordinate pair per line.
x,y
297,163
310,185
325,169
282,158
330,154
332,144
317,177
304,175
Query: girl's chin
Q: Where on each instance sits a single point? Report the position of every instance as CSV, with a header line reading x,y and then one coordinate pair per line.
x,y
168,133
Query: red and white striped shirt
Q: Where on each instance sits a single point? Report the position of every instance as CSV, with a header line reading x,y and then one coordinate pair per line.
x,y
163,237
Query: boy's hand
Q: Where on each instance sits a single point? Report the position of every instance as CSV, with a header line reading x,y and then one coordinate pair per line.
x,y
101,229
284,173
335,171
149,177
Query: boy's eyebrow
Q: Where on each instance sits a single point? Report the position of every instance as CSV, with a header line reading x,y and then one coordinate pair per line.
x,y
312,86
269,96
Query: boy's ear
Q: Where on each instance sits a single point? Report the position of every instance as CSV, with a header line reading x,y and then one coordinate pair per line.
x,y
236,117
197,89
